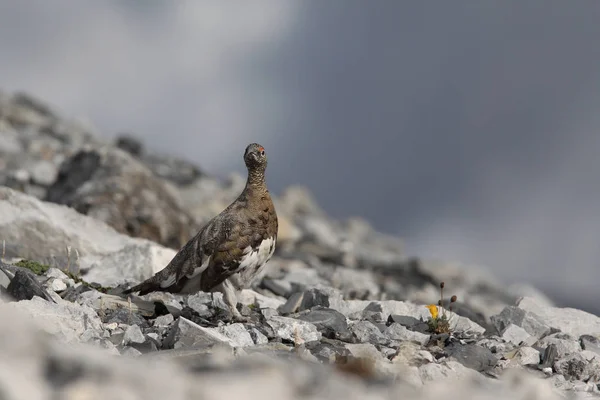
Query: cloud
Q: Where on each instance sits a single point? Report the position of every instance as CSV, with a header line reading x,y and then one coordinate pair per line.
x,y
182,76
543,230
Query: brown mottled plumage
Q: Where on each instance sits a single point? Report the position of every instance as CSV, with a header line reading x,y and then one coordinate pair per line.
x,y
231,250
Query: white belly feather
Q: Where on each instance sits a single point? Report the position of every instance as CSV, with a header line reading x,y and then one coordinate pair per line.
x,y
253,259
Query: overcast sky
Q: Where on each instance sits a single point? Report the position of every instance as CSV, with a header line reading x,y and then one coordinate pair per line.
x,y
470,129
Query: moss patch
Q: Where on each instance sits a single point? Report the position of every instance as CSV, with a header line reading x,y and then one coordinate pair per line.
x,y
40,269
34,266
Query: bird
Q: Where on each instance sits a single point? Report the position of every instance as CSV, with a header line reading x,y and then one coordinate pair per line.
x,y
231,250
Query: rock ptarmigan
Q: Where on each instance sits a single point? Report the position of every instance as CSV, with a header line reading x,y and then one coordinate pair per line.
x,y
231,250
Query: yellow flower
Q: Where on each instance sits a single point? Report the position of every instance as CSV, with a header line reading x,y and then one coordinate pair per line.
x,y
433,310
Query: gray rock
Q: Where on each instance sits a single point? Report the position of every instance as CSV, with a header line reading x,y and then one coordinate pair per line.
x,y
404,320
568,320
331,323
292,304
374,313
268,313
238,334
409,353
398,332
258,337
472,356
590,343
56,274
34,229
251,297
200,305
130,144
515,334
44,172
9,142
451,370
133,335
20,175
278,286
328,351
495,344
367,332
321,296
577,367
365,350
354,283
394,307
4,279
123,316
66,321
112,186
527,356
549,356
130,352
531,323
178,171
163,320
565,344
186,334
293,330
56,285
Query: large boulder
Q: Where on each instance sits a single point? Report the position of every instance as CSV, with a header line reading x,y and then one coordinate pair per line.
x,y
538,319
42,231
111,185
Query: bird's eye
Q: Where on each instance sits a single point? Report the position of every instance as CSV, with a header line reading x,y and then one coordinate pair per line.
x,y
262,152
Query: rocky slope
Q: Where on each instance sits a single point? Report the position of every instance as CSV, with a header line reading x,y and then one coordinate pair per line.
x,y
341,311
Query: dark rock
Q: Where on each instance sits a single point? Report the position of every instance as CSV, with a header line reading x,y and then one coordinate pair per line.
x,y
549,356
24,286
180,172
292,304
189,314
404,320
590,343
123,316
323,297
130,144
331,323
73,173
122,192
472,356
328,350
26,101
532,324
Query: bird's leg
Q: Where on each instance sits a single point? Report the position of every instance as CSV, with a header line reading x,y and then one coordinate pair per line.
x,y
230,297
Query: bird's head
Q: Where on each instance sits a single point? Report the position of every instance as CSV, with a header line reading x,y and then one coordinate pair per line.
x,y
255,157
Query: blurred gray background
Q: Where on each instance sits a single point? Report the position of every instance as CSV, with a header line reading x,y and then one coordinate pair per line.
x,y
470,129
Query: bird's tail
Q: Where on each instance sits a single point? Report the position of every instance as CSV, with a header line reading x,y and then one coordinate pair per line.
x,y
149,285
